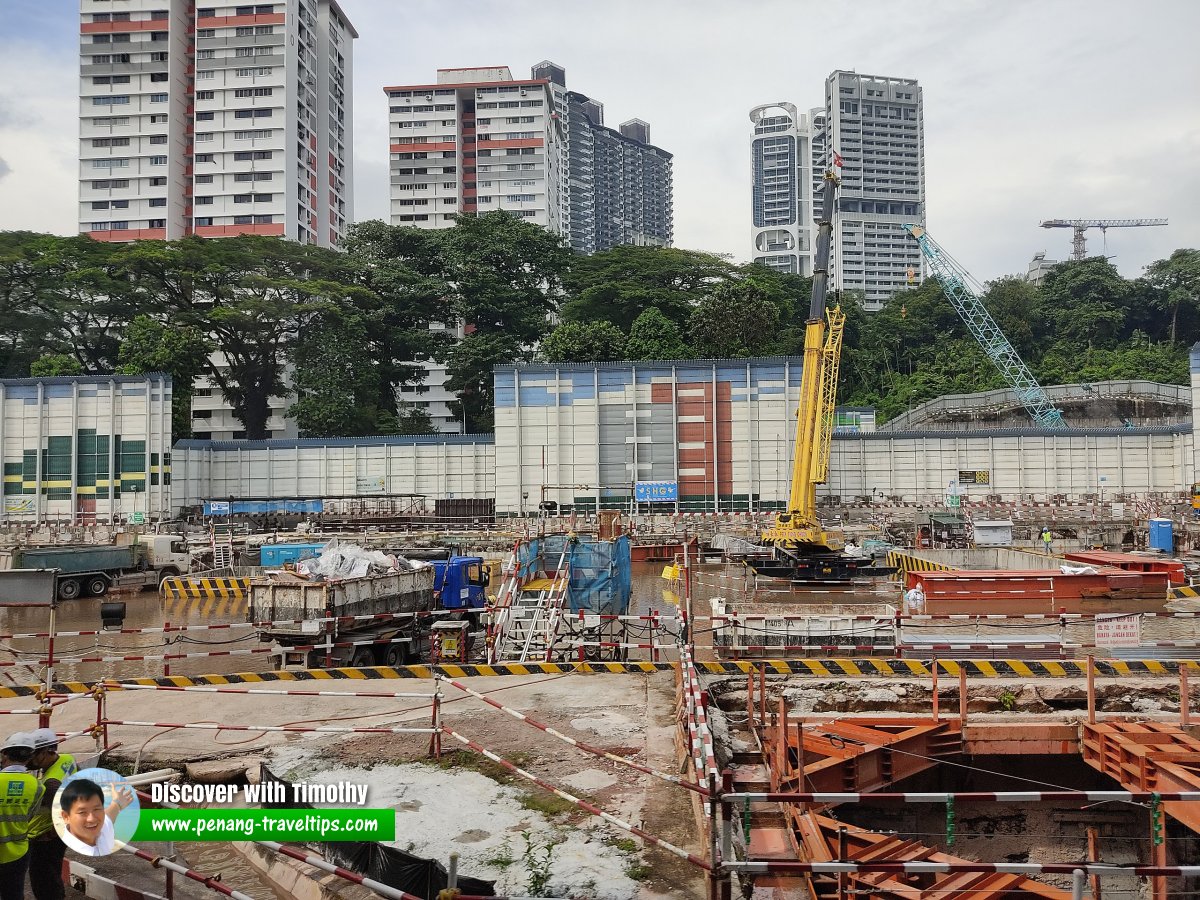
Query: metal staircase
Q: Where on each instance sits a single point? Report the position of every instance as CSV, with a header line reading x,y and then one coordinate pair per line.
x,y
222,546
528,616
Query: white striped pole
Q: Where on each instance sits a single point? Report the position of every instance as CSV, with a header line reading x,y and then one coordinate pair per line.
x,y
962,796
936,868
213,883
582,804
205,689
296,729
311,859
587,748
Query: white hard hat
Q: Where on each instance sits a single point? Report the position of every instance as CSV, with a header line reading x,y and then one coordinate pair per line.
x,y
19,740
43,738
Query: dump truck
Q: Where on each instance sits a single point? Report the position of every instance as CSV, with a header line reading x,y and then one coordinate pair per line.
x,y
92,570
293,607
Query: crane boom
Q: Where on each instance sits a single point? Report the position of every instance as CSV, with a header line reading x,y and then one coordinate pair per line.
x,y
985,330
1080,226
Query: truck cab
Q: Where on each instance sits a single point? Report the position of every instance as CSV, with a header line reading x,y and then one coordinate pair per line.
x,y
166,554
461,582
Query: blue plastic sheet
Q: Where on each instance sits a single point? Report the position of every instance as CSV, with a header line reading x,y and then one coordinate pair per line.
x,y
601,572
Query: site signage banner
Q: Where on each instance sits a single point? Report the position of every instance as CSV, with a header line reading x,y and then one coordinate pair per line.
x,y
656,491
1118,631
369,484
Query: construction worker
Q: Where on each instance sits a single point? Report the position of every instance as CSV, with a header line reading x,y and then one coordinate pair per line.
x,y
1047,537
914,601
45,848
20,795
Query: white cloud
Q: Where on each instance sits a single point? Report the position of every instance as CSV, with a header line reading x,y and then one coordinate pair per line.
x,y
1033,110
38,132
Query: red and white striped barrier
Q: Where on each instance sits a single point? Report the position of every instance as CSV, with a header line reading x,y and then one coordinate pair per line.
x,y
204,689
310,859
582,804
962,796
226,626
254,651
211,882
699,733
935,868
292,729
566,738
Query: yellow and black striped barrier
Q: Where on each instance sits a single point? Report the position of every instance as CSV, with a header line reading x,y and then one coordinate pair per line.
x,y
818,668
184,597
906,562
184,588
1177,593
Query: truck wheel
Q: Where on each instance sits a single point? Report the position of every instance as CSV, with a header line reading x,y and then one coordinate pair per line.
x,y
68,590
97,587
396,656
362,657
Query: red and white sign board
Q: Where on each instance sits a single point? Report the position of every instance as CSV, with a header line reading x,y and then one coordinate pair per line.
x,y
1119,631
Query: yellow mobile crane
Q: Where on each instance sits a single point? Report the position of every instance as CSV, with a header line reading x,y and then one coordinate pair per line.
x,y
802,549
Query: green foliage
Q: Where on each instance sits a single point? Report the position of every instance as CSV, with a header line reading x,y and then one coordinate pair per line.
x,y
734,320
503,280
618,285
654,336
502,857
538,856
346,330
180,351
584,342
51,364
1175,289
409,419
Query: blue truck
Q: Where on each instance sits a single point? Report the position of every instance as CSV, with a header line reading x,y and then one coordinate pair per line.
x,y
461,583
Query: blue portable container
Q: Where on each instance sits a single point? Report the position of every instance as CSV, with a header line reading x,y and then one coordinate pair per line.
x,y
274,555
1162,535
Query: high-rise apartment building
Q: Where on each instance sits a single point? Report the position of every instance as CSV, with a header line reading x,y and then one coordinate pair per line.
x,y
876,124
475,141
215,120
479,140
782,227
617,185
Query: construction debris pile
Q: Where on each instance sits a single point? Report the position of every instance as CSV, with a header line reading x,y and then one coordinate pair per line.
x,y
337,562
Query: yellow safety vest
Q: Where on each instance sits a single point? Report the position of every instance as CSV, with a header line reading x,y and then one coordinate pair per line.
x,y
62,769
20,795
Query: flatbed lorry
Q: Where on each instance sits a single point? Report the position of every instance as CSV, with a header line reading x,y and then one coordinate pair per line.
x,y
92,570
294,607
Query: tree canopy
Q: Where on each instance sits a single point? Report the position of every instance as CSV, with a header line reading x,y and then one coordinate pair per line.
x,y
345,330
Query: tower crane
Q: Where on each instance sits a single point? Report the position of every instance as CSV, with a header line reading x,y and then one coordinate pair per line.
x,y
1079,241
983,327
802,550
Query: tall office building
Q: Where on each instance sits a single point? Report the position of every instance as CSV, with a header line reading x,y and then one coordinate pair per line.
x,y
782,188
617,186
215,120
876,124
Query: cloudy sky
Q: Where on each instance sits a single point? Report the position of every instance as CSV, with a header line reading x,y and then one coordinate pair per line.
x,y
1034,109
